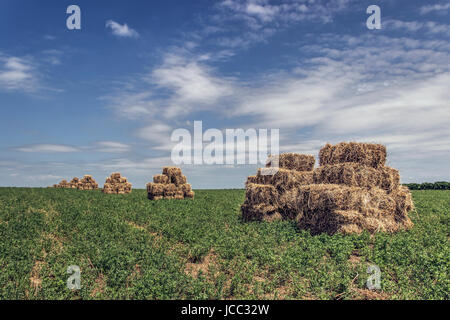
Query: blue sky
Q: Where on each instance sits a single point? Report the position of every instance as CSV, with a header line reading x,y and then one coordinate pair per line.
x,y
107,97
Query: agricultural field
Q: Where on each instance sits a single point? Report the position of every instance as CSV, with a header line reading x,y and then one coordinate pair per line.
x,y
129,247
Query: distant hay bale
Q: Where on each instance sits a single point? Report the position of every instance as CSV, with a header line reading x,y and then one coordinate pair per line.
x,y
292,161
74,183
369,154
116,184
356,175
171,184
87,183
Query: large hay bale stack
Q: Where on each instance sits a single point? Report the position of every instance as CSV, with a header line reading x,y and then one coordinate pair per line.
x,y
87,183
351,191
116,184
171,184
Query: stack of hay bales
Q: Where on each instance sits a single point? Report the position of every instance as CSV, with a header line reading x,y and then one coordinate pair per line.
x,y
116,184
171,184
74,183
87,183
62,184
352,190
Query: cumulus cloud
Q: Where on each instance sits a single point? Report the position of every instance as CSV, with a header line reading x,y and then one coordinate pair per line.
x,y
121,30
188,84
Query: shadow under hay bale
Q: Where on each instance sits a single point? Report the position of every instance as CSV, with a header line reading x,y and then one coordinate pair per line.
x,y
171,184
350,192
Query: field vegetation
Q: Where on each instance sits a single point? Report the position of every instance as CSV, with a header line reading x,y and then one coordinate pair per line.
x,y
129,247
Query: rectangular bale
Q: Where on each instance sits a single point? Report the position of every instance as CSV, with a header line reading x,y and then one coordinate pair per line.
x,y
369,154
292,161
160,178
356,175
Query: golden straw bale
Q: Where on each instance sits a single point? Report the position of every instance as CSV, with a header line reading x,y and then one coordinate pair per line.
x,y
178,180
185,188
369,154
357,175
251,179
261,193
161,178
179,194
115,175
172,171
292,161
190,194
173,183
285,179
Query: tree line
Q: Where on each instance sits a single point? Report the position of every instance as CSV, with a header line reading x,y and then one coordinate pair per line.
x,y
438,185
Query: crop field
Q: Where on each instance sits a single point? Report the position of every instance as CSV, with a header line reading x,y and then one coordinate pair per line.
x,y
129,247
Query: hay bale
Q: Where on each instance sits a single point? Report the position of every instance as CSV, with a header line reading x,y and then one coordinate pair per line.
x,y
156,189
87,183
285,179
116,184
357,175
189,194
172,171
251,179
185,188
160,178
179,194
320,208
293,161
261,193
369,154
172,183
178,180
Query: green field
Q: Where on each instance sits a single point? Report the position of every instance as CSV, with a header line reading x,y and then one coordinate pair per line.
x,y
129,247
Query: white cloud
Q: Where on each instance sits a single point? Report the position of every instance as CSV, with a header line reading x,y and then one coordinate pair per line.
x,y
48,148
188,84
17,74
111,147
121,30
192,85
413,26
434,7
156,132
